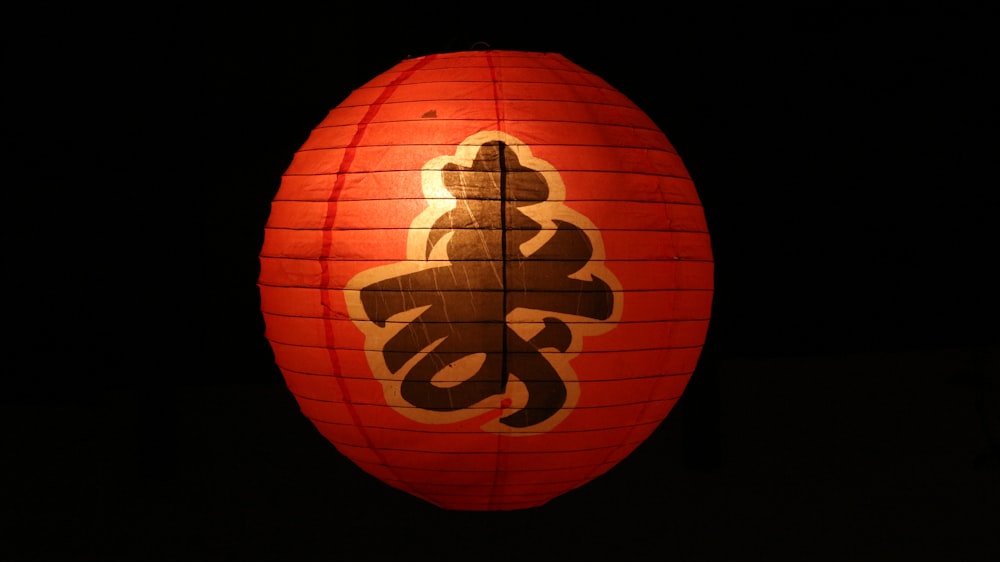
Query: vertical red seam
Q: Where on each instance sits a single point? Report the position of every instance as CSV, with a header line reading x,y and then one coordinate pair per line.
x,y
331,213
499,118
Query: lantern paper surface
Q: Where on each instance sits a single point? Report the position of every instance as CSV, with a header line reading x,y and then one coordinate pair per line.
x,y
486,278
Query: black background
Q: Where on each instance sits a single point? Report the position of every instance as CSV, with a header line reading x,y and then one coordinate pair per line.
x,y
845,405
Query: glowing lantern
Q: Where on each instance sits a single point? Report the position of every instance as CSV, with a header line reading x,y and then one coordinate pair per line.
x,y
486,278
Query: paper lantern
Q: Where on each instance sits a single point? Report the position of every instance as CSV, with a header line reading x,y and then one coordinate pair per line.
x,y
486,278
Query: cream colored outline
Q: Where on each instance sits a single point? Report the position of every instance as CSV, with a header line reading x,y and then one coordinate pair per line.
x,y
525,322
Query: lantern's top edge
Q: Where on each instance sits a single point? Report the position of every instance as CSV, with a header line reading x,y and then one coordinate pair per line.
x,y
491,52
489,57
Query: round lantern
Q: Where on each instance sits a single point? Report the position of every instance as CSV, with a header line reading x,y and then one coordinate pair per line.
x,y
486,278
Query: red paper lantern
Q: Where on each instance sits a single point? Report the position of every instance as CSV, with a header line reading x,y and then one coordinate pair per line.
x,y
486,278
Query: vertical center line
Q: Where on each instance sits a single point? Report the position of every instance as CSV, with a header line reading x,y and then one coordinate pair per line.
x,y
503,259
498,476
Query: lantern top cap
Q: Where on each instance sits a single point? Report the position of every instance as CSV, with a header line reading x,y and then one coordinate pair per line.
x,y
490,51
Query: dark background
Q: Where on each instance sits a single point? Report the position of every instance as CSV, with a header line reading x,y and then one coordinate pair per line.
x,y
846,403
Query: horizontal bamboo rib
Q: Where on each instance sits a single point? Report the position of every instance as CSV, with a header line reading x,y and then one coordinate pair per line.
x,y
606,394
457,447
396,183
526,462
471,430
390,214
627,245
328,384
364,159
667,360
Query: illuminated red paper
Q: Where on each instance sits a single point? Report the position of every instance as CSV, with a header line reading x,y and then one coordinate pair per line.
x,y
486,278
